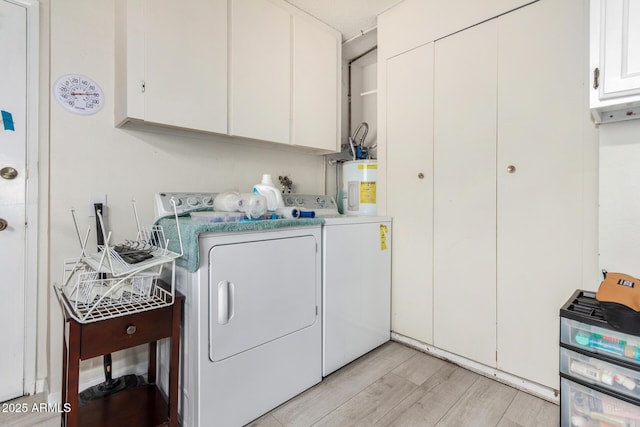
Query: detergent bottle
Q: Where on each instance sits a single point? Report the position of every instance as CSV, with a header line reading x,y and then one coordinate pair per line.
x,y
267,189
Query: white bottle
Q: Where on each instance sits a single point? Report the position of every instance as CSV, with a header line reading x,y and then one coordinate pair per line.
x,y
270,191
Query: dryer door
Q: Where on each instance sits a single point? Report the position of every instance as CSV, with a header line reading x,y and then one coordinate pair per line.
x,y
260,291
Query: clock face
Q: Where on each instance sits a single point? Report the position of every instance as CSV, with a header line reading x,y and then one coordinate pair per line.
x,y
78,94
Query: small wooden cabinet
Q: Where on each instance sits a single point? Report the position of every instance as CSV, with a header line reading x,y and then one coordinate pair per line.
x,y
615,60
143,405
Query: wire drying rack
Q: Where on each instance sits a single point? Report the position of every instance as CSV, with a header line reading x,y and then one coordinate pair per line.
x,y
122,278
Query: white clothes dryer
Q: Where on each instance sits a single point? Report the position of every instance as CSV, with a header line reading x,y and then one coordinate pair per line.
x,y
251,333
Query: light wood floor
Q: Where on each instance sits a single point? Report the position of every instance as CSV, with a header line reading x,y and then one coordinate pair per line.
x,y
393,385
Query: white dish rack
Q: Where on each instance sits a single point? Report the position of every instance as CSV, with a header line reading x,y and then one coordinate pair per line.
x,y
103,285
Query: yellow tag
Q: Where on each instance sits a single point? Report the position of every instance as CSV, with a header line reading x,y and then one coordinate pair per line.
x,y
383,237
367,166
368,192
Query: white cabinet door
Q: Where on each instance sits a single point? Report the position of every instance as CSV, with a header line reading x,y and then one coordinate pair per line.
x,y
409,111
615,60
129,61
185,54
464,281
620,48
260,74
540,204
316,86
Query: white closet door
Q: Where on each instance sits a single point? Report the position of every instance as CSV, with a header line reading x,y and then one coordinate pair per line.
x,y
542,118
409,197
465,193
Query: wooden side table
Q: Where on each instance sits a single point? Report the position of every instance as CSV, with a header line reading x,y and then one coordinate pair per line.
x,y
141,406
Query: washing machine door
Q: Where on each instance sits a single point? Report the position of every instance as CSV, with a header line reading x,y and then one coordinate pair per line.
x,y
260,291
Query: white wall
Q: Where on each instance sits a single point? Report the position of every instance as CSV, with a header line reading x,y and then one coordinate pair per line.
x,y
620,197
87,155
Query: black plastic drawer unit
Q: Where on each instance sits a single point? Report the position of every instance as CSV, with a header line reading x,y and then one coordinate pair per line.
x,y
599,367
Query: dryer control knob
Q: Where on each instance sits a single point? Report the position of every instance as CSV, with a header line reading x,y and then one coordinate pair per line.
x,y
193,201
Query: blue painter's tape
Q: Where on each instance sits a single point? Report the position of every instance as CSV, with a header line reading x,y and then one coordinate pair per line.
x,y
7,120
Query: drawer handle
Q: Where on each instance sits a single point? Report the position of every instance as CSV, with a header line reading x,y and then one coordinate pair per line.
x,y
131,329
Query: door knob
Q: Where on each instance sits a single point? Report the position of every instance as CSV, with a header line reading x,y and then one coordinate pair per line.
x,y
511,169
420,175
3,224
8,173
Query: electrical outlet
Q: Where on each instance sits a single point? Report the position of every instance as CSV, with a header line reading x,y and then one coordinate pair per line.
x,y
98,198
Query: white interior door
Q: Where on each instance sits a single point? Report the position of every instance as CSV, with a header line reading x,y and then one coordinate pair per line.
x,y
13,103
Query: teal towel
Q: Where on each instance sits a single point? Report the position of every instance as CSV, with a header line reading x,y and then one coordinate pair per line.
x,y
190,229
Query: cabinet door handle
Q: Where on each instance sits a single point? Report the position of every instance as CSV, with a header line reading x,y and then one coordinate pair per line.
x,y
225,302
596,78
131,329
511,169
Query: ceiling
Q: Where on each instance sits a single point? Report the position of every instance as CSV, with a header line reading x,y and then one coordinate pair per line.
x,y
350,17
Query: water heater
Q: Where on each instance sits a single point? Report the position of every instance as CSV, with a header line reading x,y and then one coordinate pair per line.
x,y
359,187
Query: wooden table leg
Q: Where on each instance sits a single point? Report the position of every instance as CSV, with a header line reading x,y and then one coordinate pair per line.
x,y
151,372
65,363
174,364
70,392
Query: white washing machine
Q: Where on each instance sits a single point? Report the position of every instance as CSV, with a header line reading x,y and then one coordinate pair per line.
x,y
356,280
251,334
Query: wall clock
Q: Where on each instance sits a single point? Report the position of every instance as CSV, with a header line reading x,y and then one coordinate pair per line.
x,y
78,94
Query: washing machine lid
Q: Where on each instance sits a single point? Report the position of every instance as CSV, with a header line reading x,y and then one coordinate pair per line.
x,y
355,219
260,291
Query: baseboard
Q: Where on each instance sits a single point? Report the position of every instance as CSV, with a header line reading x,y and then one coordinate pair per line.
x,y
525,385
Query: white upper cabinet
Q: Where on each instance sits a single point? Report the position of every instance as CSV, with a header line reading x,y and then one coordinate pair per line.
x,y
172,63
412,23
260,90
186,64
316,86
615,60
258,69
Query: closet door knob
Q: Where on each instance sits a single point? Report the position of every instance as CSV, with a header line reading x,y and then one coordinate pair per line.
x,y
511,169
3,224
420,175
